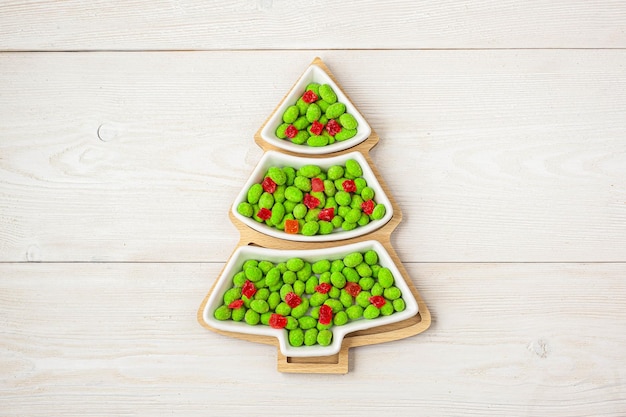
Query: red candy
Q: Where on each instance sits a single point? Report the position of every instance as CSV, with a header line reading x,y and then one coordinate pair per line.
x,y
323,288
235,304
326,314
293,300
316,128
248,289
352,288
332,127
264,214
368,207
317,185
378,301
292,226
269,185
291,131
310,201
277,321
326,214
349,186
309,96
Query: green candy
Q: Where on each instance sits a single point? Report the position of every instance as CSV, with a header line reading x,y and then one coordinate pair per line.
x,y
343,198
338,279
291,114
321,266
377,289
252,317
254,193
387,309
353,259
363,298
317,141
253,273
299,311
289,277
379,212
346,299
347,121
310,285
300,211
341,318
335,110
345,134
299,286
300,137
309,171
266,200
310,337
222,313
313,113
323,106
335,172
239,279
301,123
281,130
351,274
367,193
327,93
292,323
295,264
273,300
260,306
325,337
278,212
354,312
326,228
336,265
283,309
385,278
364,270
245,209
238,314
392,293
302,183
353,168
290,173
310,228
296,337
371,312
232,295
292,194
399,305
277,175
302,106
307,322
315,87
317,299
329,190
370,257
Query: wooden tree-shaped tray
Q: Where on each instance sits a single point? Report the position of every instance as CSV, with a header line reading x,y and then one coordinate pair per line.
x,y
338,363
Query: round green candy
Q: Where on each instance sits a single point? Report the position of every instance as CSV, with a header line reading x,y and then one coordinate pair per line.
x,y
325,277
320,196
367,193
292,323
325,337
311,215
370,257
252,317
356,202
295,264
310,228
299,311
313,113
392,293
301,123
341,318
278,212
315,87
354,312
310,337
335,172
302,106
273,300
329,189
327,93
231,295
360,184
371,312
323,106
245,209
399,305
364,270
289,206
326,228
262,294
317,299
279,194
299,211
281,130
347,121
266,200
289,277
290,173
253,273
336,265
343,198
284,290
335,110
260,306
353,168
385,277
351,274
364,220
283,309
320,266
303,183
254,193
307,322
347,226
363,298
305,272
321,326
334,304
353,259
375,269
222,313
238,314
300,137
346,299
309,171
334,292
265,266
387,309
338,279
299,286
317,141
345,134
239,279
310,285
377,289
277,175
337,221
291,114
379,212
293,193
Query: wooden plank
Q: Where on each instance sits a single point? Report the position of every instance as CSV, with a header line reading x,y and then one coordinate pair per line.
x,y
491,155
507,339
267,24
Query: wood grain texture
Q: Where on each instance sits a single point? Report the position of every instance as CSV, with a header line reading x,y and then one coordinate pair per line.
x,y
280,24
507,339
491,155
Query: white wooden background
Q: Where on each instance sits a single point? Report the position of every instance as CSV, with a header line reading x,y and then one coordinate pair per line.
x,y
126,131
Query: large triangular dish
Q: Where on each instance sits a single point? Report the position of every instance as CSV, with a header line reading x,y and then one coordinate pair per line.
x,y
316,72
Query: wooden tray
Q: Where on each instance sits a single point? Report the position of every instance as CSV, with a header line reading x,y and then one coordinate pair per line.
x,y
335,364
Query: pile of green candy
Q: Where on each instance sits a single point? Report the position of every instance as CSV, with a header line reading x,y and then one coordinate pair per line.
x,y
308,298
311,200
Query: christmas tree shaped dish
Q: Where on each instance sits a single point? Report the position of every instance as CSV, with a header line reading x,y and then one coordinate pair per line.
x,y
241,305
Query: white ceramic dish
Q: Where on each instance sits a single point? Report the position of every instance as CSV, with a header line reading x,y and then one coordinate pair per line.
x,y
339,332
271,158
314,73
